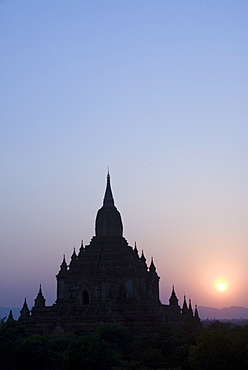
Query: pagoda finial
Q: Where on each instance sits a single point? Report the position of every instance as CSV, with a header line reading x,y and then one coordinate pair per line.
x,y
108,197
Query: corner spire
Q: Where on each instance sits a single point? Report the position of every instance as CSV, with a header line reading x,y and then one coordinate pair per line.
x,y
135,247
108,200
185,307
24,311
190,310
196,313
142,257
39,300
10,317
152,267
63,266
74,259
173,298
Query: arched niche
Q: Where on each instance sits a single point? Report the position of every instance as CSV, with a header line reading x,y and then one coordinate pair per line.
x,y
86,297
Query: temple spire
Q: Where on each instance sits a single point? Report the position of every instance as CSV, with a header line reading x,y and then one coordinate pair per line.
x,y
108,200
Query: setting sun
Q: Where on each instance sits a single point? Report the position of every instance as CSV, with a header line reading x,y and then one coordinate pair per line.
x,y
221,285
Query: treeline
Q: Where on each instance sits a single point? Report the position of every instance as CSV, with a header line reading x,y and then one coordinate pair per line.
x,y
112,347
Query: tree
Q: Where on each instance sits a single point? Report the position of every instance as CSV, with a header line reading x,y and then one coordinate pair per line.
x,y
89,352
213,349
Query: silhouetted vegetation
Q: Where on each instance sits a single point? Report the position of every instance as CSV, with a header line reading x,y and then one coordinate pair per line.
x,y
220,347
113,347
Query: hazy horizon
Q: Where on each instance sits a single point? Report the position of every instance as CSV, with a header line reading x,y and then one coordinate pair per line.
x,y
205,313
157,91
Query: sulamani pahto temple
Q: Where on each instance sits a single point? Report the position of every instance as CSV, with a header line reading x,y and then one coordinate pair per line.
x,y
107,282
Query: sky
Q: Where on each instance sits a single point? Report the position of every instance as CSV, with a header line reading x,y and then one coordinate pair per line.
x,y
155,90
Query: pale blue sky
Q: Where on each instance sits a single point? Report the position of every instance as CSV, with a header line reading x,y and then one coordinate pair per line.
x,y
157,91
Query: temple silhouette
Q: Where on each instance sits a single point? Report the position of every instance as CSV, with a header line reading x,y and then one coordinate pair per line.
x,y
107,282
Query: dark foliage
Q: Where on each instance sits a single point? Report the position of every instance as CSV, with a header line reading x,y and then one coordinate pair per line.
x,y
220,347
112,347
